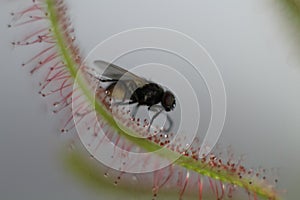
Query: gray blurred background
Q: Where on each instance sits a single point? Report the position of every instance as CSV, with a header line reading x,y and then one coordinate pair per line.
x,y
254,43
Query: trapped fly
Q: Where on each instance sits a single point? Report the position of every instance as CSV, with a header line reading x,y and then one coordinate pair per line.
x,y
127,88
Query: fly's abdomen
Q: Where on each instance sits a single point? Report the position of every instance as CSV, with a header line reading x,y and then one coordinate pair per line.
x,y
116,91
121,90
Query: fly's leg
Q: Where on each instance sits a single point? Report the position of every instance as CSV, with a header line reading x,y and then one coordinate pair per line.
x,y
134,97
156,114
170,124
134,110
108,80
161,109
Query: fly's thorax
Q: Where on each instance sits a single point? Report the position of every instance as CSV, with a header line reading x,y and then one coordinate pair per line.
x,y
150,94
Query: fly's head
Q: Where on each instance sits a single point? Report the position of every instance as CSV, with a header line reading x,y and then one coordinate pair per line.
x,y
168,101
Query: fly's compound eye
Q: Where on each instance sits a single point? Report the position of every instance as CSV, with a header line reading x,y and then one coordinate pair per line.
x,y
168,101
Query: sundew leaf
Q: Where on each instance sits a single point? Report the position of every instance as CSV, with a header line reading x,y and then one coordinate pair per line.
x,y
291,10
294,5
78,164
62,62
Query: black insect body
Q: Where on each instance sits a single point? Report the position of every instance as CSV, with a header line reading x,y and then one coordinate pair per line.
x,y
148,95
128,88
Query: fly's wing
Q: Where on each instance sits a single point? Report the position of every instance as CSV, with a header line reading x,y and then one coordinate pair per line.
x,y
115,72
